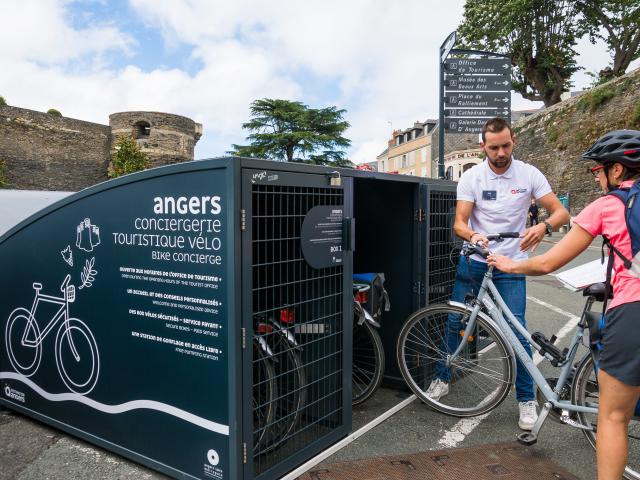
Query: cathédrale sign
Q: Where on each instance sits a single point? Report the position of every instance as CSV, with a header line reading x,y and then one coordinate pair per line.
x,y
114,319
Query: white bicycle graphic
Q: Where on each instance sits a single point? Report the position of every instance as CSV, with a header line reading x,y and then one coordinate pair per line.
x,y
76,351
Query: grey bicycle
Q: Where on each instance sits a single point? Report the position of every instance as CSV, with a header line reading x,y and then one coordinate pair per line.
x,y
474,344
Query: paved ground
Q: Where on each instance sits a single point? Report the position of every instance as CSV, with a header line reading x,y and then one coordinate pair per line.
x,y
30,450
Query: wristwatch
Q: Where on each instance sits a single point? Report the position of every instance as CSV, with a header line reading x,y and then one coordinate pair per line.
x,y
549,228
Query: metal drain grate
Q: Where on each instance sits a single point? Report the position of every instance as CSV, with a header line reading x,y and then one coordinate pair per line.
x,y
487,462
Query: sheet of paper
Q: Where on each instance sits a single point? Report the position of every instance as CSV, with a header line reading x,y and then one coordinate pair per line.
x,y
584,275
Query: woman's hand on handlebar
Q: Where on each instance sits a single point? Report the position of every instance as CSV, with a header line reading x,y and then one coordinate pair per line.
x,y
502,263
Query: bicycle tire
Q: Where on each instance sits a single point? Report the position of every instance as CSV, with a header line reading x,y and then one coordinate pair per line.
x,y
474,388
263,394
368,362
584,392
291,385
25,359
86,348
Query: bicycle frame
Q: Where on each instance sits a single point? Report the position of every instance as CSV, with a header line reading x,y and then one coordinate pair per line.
x,y
497,309
63,311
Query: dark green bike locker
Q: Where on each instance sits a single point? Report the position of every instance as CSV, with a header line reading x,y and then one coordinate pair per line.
x,y
197,318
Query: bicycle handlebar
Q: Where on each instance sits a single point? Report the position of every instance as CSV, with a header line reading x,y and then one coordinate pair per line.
x,y
501,236
478,248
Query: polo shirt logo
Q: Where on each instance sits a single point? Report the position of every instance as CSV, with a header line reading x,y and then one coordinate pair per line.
x,y
515,191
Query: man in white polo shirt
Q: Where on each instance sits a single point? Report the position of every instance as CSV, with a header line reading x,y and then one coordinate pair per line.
x,y
494,197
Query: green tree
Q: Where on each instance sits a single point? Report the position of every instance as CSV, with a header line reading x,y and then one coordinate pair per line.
x,y
3,102
128,158
616,23
291,131
54,113
538,35
3,173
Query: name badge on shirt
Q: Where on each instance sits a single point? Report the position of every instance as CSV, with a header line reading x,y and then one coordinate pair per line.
x,y
489,195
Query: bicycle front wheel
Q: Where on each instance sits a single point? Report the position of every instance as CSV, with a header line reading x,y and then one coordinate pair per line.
x,y
368,362
77,356
477,380
584,391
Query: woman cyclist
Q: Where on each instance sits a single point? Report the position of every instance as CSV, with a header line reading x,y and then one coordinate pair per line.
x,y
618,165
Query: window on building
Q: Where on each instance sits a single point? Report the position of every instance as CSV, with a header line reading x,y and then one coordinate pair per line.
x,y
449,173
143,129
382,166
399,139
404,161
467,166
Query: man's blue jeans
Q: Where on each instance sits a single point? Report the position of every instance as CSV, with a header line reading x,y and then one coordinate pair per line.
x,y
513,290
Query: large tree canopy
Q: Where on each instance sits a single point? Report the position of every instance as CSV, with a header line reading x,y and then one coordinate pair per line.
x,y
616,22
538,35
291,131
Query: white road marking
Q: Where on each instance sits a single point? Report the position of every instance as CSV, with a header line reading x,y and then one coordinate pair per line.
x,y
456,434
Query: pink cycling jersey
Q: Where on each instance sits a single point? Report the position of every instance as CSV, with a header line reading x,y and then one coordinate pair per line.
x,y
605,216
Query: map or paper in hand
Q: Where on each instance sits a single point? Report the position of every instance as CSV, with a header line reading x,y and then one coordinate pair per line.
x,y
584,275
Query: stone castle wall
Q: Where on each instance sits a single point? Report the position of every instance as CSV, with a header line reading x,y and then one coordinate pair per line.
x,y
554,139
45,152
171,138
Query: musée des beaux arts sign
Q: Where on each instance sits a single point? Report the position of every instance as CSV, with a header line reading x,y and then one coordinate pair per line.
x,y
113,318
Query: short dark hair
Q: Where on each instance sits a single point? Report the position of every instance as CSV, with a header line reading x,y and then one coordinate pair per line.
x,y
495,125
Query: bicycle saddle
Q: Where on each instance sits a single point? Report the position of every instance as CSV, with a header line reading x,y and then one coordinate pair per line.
x,y
596,291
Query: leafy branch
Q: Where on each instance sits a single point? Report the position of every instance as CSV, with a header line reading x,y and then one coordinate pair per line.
x,y
88,274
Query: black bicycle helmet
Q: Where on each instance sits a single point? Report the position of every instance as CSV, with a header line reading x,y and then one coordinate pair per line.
x,y
622,146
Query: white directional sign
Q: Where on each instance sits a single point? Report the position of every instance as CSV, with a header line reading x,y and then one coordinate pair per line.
x,y
477,112
477,66
464,125
477,99
474,90
484,83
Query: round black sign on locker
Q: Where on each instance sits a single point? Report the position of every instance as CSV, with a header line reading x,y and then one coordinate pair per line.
x,y
321,236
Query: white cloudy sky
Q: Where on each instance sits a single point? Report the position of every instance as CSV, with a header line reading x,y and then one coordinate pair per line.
x,y
208,59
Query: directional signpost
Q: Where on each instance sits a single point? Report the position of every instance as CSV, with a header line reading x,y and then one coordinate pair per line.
x,y
474,87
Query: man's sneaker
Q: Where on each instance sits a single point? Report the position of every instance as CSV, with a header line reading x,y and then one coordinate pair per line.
x,y
437,389
528,414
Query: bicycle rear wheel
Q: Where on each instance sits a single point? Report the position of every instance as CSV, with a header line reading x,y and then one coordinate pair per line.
x,y
368,362
291,384
264,393
478,378
584,391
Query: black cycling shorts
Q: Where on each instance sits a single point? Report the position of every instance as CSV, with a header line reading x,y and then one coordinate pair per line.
x,y
620,355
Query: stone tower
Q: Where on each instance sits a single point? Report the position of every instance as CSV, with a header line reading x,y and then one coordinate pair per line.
x,y
164,137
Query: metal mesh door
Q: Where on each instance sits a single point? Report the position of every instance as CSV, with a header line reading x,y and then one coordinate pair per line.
x,y
297,316
443,246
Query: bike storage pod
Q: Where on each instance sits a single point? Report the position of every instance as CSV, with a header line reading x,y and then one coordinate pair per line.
x,y
197,318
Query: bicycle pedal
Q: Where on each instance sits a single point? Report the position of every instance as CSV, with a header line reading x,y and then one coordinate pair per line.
x,y
527,438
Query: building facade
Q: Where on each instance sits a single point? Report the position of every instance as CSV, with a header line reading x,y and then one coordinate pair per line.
x,y
459,161
408,151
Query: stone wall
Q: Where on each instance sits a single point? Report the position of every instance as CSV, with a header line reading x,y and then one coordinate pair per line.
x,y
44,152
170,138
554,138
